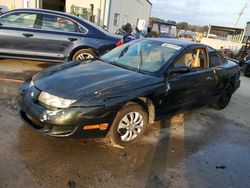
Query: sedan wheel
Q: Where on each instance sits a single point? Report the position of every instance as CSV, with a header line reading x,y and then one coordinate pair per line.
x,y
246,70
129,125
225,98
84,54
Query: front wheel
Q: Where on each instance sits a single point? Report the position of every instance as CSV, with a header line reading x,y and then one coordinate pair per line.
x,y
225,98
129,125
84,54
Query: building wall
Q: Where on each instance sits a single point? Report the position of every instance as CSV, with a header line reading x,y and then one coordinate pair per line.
x,y
105,10
100,8
14,4
130,11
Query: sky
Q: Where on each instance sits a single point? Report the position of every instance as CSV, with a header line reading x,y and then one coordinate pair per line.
x,y
202,12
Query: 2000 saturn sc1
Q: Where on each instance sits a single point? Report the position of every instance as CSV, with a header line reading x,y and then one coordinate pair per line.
x,y
123,91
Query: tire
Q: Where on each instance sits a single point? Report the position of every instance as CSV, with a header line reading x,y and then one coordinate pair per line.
x,y
224,99
84,54
122,133
246,70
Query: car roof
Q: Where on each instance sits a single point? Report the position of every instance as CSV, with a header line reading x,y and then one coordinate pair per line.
x,y
46,11
90,25
178,42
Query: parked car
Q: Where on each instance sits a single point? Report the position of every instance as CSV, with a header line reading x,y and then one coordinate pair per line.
x,y
246,68
51,36
121,92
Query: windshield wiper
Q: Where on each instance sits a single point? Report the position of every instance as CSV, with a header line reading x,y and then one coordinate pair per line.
x,y
124,51
141,62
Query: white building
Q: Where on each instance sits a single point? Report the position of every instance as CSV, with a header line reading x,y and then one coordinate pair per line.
x,y
111,13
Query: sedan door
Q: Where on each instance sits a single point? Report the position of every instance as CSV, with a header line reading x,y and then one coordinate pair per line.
x,y
57,37
191,87
16,33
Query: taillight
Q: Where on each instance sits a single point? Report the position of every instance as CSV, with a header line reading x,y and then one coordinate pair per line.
x,y
119,43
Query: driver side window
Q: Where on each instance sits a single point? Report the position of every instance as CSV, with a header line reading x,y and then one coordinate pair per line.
x,y
195,58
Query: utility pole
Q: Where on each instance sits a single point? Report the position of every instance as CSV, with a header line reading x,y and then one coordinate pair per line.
x,y
241,13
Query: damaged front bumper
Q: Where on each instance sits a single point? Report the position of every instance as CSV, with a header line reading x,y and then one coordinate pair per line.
x,y
68,122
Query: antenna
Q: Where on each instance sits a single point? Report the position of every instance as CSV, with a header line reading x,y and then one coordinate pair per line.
x,y
240,14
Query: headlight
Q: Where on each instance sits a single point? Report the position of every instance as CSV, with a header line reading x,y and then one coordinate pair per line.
x,y
54,101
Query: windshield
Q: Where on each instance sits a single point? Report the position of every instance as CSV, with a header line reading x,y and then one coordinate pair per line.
x,y
143,55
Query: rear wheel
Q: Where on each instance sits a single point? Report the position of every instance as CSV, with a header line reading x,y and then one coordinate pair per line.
x,y
225,98
246,70
129,125
84,54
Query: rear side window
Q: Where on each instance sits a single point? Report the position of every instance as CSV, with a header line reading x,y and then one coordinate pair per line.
x,y
56,23
19,20
214,59
82,29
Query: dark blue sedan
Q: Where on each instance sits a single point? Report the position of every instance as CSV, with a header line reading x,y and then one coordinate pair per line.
x,y
51,36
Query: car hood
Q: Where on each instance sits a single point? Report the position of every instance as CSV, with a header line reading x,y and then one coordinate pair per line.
x,y
93,79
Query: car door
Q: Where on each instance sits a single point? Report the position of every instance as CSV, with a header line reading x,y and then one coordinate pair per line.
x,y
188,88
16,33
57,37
216,62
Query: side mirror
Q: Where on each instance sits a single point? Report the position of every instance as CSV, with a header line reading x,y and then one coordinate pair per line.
x,y
180,69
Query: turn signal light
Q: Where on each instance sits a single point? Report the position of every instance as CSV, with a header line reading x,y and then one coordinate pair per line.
x,y
119,43
101,127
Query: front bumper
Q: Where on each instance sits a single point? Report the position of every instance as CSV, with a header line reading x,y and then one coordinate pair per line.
x,y
68,122
48,129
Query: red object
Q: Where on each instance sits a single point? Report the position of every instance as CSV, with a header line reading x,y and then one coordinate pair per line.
x,y
119,43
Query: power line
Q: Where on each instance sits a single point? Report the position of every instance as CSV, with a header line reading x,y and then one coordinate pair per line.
x,y
240,14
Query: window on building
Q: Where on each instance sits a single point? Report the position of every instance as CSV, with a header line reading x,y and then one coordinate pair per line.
x,y
125,19
116,19
19,20
51,22
26,3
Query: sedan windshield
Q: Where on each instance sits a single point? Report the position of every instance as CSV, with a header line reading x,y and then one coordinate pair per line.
x,y
144,55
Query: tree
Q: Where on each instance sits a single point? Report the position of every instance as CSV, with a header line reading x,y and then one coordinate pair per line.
x,y
171,21
182,25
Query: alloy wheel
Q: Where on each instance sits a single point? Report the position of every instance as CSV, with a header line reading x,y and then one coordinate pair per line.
x,y
84,56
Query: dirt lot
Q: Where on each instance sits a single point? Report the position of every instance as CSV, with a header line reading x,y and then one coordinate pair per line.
x,y
199,148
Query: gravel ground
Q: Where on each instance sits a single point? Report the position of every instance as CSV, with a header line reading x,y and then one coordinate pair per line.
x,y
201,147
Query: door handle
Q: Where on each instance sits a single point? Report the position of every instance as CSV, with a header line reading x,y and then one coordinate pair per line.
x,y
72,39
175,79
217,68
27,35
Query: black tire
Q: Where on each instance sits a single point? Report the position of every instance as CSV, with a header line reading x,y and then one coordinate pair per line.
x,y
86,54
224,99
116,136
246,70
